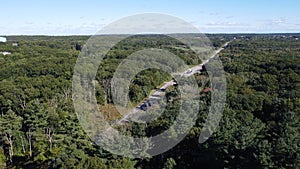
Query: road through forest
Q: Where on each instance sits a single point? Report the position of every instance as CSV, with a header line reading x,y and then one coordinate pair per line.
x,y
160,92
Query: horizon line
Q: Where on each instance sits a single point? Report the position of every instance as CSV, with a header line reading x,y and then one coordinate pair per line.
x,y
217,33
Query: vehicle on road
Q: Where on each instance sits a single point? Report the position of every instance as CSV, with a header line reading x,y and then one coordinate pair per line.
x,y
188,71
144,106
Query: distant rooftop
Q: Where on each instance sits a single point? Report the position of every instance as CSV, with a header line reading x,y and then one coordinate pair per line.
x,y
3,39
5,53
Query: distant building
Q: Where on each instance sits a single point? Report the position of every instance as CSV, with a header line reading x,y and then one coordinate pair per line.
x,y
5,53
3,39
15,44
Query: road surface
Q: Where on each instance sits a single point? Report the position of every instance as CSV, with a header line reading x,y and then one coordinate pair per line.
x,y
198,68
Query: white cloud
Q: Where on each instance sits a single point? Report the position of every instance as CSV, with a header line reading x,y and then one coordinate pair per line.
x,y
229,17
228,23
214,14
278,25
278,21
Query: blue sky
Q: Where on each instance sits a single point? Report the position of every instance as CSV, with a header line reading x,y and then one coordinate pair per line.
x,y
66,17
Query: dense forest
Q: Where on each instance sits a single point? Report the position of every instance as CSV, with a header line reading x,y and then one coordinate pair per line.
x,y
260,127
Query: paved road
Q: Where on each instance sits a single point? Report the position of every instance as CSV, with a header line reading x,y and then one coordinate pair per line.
x,y
157,95
160,92
198,68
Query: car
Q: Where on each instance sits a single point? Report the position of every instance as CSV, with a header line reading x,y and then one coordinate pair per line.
x,y
149,103
144,106
188,71
162,90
